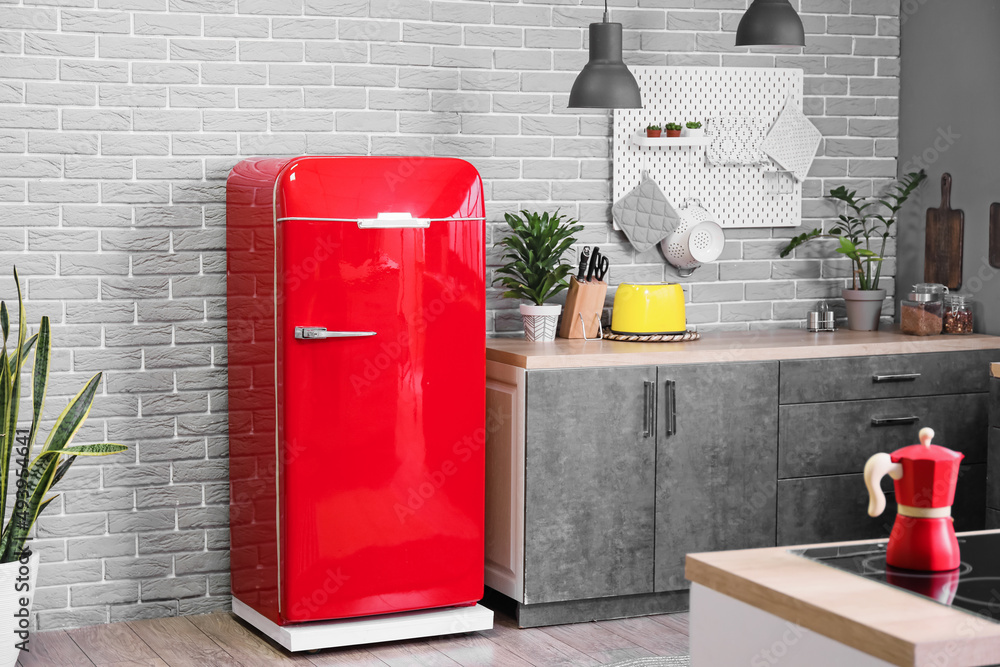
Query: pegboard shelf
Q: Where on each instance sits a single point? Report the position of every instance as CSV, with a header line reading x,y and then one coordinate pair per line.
x,y
669,142
738,195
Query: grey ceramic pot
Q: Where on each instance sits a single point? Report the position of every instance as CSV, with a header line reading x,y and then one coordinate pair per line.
x,y
863,308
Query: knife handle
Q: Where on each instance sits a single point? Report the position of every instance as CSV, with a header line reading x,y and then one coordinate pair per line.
x,y
594,259
581,273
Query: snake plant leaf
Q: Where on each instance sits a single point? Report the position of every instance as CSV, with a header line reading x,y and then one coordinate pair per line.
x,y
26,508
72,417
100,449
40,378
4,322
25,351
13,390
62,470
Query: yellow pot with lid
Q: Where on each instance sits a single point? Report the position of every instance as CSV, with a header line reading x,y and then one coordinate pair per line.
x,y
647,309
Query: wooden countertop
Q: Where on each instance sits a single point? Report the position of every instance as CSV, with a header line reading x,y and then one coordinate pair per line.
x,y
886,622
722,347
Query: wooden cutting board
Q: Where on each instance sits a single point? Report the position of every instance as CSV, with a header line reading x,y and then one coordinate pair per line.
x,y
995,235
943,246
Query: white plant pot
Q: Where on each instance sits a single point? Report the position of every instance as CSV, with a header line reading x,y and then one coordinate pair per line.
x,y
540,321
17,587
687,132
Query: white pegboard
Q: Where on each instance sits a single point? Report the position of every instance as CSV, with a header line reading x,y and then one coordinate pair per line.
x,y
738,196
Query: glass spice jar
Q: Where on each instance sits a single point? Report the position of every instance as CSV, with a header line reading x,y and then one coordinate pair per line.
x,y
958,314
920,314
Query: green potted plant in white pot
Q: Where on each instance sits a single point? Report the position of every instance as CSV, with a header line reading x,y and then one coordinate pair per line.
x,y
33,475
693,129
534,269
865,219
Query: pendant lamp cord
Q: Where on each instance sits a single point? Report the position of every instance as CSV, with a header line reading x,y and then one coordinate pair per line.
x,y
607,19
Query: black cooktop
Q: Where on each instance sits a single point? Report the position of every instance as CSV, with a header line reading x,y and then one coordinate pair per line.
x,y
973,587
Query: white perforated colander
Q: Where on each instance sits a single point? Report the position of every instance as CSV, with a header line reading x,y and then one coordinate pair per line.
x,y
696,240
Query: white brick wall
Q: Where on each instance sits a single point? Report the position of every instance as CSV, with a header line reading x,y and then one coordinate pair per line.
x,y
119,120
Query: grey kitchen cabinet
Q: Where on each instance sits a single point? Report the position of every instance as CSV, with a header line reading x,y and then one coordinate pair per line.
x,y
715,462
588,529
608,462
825,436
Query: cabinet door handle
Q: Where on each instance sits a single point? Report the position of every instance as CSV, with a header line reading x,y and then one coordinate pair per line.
x,y
648,408
671,407
894,421
898,377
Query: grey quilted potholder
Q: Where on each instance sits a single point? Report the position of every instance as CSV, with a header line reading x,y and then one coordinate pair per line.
x,y
645,215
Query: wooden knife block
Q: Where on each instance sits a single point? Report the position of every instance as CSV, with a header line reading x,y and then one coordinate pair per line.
x,y
587,299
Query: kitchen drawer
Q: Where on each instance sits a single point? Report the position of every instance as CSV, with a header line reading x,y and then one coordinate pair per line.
x,y
835,508
853,378
835,438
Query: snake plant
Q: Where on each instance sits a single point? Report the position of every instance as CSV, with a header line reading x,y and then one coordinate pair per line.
x,y
35,477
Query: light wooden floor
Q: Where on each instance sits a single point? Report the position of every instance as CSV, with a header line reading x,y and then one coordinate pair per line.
x,y
220,639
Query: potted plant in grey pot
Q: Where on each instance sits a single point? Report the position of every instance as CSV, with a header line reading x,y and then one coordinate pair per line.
x,y
33,475
864,220
535,271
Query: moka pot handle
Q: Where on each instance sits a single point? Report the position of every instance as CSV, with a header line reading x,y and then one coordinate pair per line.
x,y
877,467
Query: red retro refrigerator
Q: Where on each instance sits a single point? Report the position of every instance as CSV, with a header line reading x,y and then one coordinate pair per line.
x,y
356,304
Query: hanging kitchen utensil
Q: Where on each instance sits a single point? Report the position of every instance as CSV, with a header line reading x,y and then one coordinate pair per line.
x,y
995,235
944,239
645,215
697,239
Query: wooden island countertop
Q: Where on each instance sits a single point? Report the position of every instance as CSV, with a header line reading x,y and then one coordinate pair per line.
x,y
888,623
722,347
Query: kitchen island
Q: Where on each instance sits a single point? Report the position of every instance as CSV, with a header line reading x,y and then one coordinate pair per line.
x,y
762,607
607,462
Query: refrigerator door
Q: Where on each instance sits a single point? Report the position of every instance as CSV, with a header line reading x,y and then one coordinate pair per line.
x,y
381,408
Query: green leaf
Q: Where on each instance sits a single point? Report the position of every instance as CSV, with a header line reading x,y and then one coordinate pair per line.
x,y
73,416
4,322
9,417
100,449
533,249
25,351
40,377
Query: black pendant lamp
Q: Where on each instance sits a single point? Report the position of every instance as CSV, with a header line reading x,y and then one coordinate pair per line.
x,y
605,82
770,23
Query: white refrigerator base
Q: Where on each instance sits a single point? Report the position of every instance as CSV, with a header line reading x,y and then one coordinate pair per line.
x,y
369,630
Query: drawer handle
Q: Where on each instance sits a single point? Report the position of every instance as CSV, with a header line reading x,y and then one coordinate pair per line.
x,y
894,421
899,377
671,407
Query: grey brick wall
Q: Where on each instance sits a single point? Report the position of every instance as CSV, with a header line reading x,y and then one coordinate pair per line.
x,y
119,121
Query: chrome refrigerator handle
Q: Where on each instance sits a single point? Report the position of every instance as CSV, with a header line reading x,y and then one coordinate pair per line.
x,y
318,333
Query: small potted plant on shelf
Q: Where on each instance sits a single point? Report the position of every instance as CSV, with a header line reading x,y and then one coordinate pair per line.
x,y
26,479
862,223
673,129
653,131
693,129
535,271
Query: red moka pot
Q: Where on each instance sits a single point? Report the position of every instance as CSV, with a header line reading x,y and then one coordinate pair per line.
x,y
925,476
